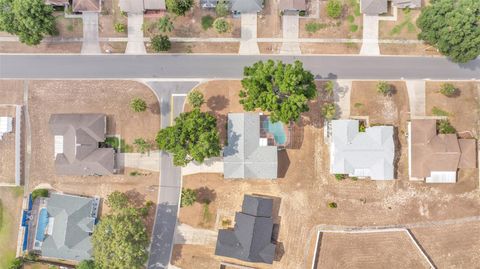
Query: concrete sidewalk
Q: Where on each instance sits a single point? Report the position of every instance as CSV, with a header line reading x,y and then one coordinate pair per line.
x,y
148,161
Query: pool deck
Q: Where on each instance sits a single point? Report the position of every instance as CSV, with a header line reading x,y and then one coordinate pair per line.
x,y
32,224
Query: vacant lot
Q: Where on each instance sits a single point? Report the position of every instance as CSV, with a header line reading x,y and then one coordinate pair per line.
x,y
10,215
369,250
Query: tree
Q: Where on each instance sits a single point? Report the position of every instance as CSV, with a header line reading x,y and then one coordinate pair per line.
x,y
16,263
117,200
384,88
142,145
221,25
39,193
119,27
86,264
329,111
193,137
179,7
165,24
281,89
207,22
448,90
329,87
334,9
138,105
161,43
30,20
444,127
189,197
195,98
222,8
452,27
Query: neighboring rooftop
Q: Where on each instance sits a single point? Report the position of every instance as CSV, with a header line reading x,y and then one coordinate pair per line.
x,y
243,156
292,5
57,2
77,138
251,238
362,154
71,221
86,5
407,3
437,157
373,7
246,6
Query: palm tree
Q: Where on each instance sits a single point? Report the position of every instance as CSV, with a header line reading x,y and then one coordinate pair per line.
x,y
165,24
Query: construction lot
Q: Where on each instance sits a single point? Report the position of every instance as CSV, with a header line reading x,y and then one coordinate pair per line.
x,y
307,187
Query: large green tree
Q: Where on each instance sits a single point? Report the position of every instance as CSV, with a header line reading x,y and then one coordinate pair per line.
x,y
120,239
179,7
281,89
453,27
30,20
193,137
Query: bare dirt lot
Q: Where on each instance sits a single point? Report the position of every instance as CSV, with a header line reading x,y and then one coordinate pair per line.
x,y
12,92
371,250
306,187
7,148
408,49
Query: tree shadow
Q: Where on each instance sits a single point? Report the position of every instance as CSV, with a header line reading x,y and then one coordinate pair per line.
x,y
279,251
205,194
283,163
217,103
154,108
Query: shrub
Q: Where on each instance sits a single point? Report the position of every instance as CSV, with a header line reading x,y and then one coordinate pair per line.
x,y
302,13
138,105
439,112
149,204
39,193
313,27
340,177
221,25
189,197
334,9
195,99
86,264
142,145
354,178
358,105
161,43
448,90
444,127
207,22
353,28
120,27
384,88
134,173
329,111
179,7
329,87
361,127
222,8
332,205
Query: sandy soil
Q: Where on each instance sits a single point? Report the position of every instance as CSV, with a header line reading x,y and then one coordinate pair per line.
x,y
68,28
16,47
269,48
269,20
193,256
326,48
408,49
11,203
113,47
306,187
374,250
406,30
189,47
12,92
110,15
7,148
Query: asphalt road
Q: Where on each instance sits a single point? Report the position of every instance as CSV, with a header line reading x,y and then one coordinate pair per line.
x,y
228,66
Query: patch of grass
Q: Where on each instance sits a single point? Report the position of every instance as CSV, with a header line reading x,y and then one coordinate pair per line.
x,y
353,28
411,27
350,18
206,214
17,191
340,177
207,22
70,27
436,111
358,105
118,144
356,7
332,205
313,27
407,22
134,173
351,45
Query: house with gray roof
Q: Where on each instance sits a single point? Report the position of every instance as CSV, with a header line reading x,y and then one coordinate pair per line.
x,y
373,7
77,138
407,3
67,227
246,6
251,238
246,155
362,154
139,6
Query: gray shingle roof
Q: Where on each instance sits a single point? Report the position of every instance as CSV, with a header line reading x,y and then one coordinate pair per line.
x,y
81,135
72,225
251,238
373,7
244,157
407,3
246,6
362,154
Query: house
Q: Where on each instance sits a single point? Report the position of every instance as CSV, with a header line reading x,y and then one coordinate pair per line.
x,y
86,5
6,126
377,7
208,3
292,5
362,154
77,138
140,6
437,157
246,6
247,155
251,238
64,227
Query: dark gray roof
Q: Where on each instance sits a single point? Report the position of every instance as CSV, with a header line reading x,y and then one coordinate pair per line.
x,y
246,6
251,238
71,217
373,7
243,156
80,154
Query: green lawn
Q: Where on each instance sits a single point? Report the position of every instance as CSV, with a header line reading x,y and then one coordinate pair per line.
x,y
8,229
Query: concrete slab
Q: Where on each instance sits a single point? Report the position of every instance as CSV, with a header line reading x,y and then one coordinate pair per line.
x,y
416,97
248,40
290,45
135,44
370,36
90,43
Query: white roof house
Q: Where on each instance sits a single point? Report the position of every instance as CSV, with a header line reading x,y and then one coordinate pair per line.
x,y
6,125
362,154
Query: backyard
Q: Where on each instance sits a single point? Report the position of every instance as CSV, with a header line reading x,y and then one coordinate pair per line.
x,y
10,214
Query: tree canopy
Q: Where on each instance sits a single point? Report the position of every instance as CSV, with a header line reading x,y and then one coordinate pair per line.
x,y
195,98
281,89
193,137
30,20
179,7
452,27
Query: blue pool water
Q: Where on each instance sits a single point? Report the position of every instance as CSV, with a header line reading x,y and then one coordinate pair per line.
x,y
277,130
42,224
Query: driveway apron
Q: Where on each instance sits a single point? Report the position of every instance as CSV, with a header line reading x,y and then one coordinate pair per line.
x,y
135,44
248,40
370,36
90,43
290,45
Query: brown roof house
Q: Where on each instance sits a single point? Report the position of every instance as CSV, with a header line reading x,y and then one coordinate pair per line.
x,y
86,6
292,5
437,157
77,138
377,7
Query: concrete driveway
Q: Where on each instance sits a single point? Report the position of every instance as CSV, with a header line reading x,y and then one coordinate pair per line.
x,y
248,40
90,43
290,43
135,44
370,36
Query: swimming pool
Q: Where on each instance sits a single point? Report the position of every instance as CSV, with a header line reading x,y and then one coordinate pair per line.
x,y
277,130
42,224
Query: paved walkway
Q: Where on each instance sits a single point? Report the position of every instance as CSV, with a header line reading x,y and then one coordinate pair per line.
x,y
416,97
186,234
370,36
213,165
90,43
135,44
341,95
248,40
290,45
147,161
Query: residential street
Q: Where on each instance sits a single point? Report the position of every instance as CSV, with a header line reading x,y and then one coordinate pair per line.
x,y
228,66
